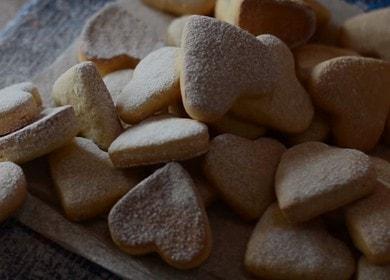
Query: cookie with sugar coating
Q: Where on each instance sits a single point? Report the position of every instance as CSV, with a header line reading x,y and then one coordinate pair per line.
x,y
252,68
242,171
294,22
27,87
53,128
163,214
116,81
175,31
280,250
158,140
183,7
84,196
13,189
318,130
314,178
83,88
114,39
368,33
353,91
154,86
368,271
368,222
17,109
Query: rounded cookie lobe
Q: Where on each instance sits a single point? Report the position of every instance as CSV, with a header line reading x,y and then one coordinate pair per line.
x,y
183,7
175,31
53,128
116,81
13,189
163,214
369,271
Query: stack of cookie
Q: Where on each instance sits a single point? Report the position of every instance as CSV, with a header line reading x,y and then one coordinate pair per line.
x,y
250,107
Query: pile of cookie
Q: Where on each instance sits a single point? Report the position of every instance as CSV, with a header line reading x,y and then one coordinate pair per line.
x,y
276,126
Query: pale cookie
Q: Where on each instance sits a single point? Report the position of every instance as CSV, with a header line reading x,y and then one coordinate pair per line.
x,y
17,109
53,128
27,87
211,81
317,131
368,33
243,172
294,22
159,139
310,55
280,250
84,196
353,91
116,81
382,168
163,214
83,88
13,189
175,31
368,221
286,106
232,125
114,39
183,7
369,271
314,178
154,86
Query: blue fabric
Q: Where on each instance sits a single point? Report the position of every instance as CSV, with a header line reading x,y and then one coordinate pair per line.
x,y
368,5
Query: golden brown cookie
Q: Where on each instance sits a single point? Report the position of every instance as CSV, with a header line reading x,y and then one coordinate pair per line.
x,y
353,91
242,171
314,178
116,81
280,250
322,13
317,131
154,86
183,7
159,139
368,221
114,39
13,189
175,31
163,214
382,168
369,271
368,33
53,128
294,22
83,88
84,196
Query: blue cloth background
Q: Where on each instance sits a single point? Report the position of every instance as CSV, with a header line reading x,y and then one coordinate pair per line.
x,y
368,5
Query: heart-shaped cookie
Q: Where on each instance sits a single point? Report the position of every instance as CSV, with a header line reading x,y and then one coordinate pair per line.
x,y
116,81
212,80
354,92
53,128
183,7
280,250
163,214
115,39
83,88
314,178
175,31
294,22
159,139
243,172
154,86
84,196
13,189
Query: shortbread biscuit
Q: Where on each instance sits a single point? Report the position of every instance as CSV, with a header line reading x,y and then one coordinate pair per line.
x,y
183,7
83,88
175,31
322,13
245,66
13,189
242,171
353,91
17,109
280,250
294,22
27,87
159,139
154,86
84,196
314,178
382,168
317,131
114,39
310,55
369,271
368,221
53,128
116,81
368,33
163,214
